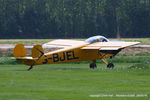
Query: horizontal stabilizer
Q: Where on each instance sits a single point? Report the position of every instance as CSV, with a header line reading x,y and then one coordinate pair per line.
x,y
27,60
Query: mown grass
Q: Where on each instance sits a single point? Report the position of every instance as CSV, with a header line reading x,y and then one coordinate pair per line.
x,y
142,40
34,41
75,81
28,41
136,59
72,82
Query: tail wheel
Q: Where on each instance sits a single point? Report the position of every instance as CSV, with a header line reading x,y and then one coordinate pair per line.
x,y
110,65
30,68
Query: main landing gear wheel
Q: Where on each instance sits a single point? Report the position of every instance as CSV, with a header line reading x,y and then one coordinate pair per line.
x,y
110,65
92,66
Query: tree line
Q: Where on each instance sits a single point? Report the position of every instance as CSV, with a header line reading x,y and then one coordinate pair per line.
x,y
74,18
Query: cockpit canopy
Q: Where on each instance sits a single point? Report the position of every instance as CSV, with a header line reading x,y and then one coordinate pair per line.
x,y
96,39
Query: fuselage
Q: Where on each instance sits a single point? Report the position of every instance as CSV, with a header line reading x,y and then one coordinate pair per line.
x,y
71,55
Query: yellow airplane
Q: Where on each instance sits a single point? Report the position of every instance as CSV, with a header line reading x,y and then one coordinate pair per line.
x,y
92,49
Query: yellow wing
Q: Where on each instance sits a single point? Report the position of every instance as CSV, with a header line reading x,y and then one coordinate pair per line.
x,y
108,49
109,45
62,43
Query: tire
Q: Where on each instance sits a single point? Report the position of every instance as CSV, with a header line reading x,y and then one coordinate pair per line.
x,y
93,66
110,65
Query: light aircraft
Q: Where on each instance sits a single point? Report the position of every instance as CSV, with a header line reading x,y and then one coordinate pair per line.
x,y
92,49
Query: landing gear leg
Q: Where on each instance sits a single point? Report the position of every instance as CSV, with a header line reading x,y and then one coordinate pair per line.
x,y
30,68
109,65
93,64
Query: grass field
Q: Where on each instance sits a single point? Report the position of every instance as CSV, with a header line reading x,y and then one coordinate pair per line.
x,y
33,41
129,80
74,82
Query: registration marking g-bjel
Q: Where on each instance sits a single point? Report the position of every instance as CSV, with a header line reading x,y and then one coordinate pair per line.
x,y
68,55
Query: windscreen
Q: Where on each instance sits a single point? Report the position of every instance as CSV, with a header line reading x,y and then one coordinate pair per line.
x,y
96,39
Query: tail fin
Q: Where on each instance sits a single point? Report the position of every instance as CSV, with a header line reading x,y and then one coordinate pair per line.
x,y
19,51
20,55
37,51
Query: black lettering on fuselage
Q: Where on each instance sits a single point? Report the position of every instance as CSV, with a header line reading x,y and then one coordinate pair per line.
x,y
68,55
74,55
45,61
63,58
55,57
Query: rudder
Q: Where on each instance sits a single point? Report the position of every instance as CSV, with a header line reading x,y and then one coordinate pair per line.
x,y
19,51
37,51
